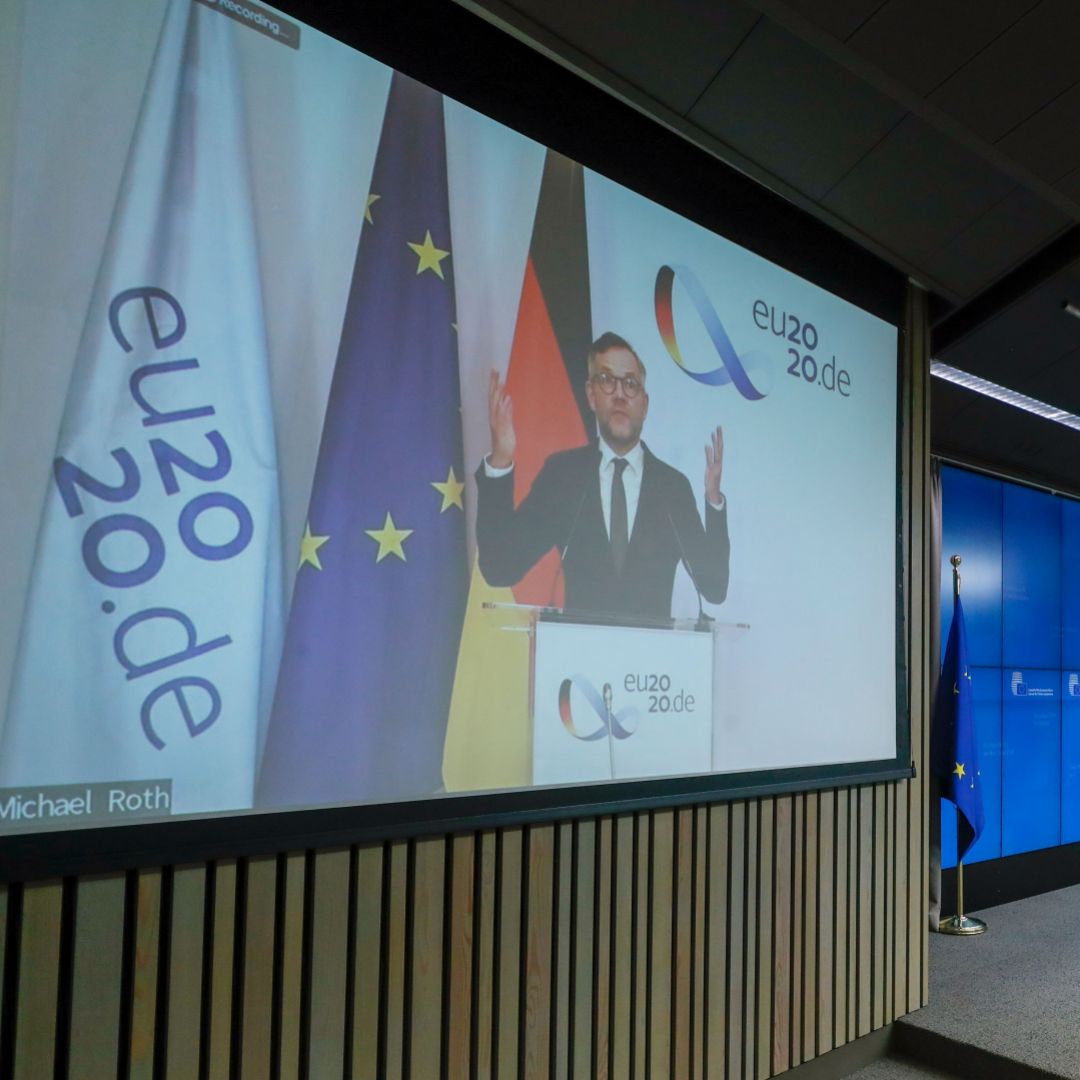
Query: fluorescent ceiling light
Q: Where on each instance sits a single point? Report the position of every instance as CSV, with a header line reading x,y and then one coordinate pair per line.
x,y
1003,393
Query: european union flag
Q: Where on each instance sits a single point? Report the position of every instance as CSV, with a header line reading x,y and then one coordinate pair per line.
x,y
366,675
955,755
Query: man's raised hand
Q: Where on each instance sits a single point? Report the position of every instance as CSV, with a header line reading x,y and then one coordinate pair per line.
x,y
501,419
714,465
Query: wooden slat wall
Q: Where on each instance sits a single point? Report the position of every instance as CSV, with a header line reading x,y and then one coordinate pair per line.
x,y
732,940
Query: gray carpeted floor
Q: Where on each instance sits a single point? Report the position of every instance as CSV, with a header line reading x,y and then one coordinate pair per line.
x,y
898,1069
1015,990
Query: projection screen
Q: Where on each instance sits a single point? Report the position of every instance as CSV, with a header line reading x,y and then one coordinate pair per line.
x,y
361,450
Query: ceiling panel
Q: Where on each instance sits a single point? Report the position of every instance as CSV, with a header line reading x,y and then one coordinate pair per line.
x,y
1018,73
1026,338
670,50
922,42
1069,185
1058,383
1048,143
916,191
841,18
794,112
1009,232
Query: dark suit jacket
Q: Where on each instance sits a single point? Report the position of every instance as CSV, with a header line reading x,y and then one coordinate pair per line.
x,y
563,510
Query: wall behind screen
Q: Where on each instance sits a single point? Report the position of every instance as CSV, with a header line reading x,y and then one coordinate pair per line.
x,y
1021,591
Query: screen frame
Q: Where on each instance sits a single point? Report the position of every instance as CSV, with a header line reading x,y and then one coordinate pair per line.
x,y
499,76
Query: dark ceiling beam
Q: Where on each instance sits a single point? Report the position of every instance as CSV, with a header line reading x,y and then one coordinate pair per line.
x,y
1006,291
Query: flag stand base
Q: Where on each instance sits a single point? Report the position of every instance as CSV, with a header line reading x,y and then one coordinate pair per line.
x,y
961,924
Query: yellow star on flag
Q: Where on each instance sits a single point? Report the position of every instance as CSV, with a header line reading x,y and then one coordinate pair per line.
x,y
371,201
430,255
959,770
309,548
450,490
389,539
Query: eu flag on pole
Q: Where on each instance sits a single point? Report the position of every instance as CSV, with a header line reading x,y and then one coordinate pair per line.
x,y
955,753
365,679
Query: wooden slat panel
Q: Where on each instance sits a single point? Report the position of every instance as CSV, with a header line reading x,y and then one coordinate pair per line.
x,y
427,957
682,961
485,975
866,865
826,928
367,962
509,952
259,914
605,924
782,915
660,964
900,929
916,896
699,915
536,1023
889,912
145,976
853,947
39,958
3,948
584,949
622,959
459,952
736,937
798,856
840,938
639,1004
329,959
183,1044
396,920
717,954
221,971
877,970
750,957
560,1006
96,977
810,929
292,964
763,1038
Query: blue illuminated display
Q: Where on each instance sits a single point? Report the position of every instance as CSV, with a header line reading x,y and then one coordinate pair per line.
x,y
1022,603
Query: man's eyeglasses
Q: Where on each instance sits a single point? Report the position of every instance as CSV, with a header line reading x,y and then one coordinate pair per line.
x,y
629,384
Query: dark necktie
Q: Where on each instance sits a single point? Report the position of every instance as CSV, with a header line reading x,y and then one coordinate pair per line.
x,y
620,529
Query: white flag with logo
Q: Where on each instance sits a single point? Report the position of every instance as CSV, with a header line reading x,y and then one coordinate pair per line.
x,y
152,627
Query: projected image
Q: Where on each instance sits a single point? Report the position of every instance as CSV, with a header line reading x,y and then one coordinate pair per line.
x,y
360,449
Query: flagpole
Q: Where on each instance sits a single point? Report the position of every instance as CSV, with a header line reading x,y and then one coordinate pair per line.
x,y
959,923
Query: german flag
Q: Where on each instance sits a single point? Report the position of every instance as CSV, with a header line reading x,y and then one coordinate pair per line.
x,y
488,743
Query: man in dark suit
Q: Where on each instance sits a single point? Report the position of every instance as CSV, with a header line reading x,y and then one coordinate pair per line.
x,y
621,519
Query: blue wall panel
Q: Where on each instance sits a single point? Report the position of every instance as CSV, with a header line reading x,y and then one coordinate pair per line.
x,y
1021,588
1070,755
1070,583
971,528
1031,579
1031,759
